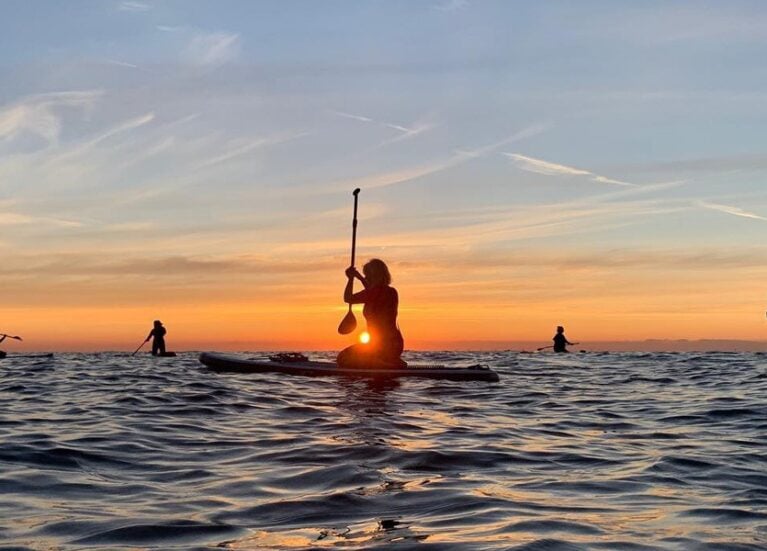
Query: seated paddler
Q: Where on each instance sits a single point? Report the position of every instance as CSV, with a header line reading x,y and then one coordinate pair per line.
x,y
381,301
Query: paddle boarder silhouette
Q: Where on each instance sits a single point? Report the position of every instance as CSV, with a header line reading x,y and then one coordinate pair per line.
x,y
3,336
381,302
158,335
560,341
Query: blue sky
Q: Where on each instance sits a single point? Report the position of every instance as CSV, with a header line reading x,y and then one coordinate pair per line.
x,y
211,147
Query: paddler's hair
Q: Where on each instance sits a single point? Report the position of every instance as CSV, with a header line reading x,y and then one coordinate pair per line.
x,y
376,272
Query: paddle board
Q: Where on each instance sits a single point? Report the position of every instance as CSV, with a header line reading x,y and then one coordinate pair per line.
x,y
226,363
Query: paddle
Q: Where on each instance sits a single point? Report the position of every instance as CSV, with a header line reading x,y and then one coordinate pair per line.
x,y
11,337
552,346
349,323
139,348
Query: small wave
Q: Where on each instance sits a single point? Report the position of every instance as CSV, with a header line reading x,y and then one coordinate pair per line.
x,y
549,545
730,413
544,526
58,457
725,514
155,534
676,464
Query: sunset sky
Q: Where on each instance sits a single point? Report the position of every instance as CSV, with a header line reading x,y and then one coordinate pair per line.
x,y
597,164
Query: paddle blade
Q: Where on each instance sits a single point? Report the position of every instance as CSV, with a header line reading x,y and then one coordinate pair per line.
x,y
348,324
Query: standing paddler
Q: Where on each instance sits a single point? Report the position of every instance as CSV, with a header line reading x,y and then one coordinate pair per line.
x,y
157,334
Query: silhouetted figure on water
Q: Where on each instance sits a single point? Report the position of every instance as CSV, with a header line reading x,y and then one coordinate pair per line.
x,y
3,336
158,335
381,302
560,341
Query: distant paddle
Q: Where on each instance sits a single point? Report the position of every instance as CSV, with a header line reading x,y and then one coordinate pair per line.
x,y
139,348
552,346
349,323
11,337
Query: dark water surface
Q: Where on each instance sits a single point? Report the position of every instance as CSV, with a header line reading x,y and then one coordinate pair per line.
x,y
595,451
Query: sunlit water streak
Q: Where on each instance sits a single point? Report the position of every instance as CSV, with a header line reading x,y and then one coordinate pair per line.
x,y
580,452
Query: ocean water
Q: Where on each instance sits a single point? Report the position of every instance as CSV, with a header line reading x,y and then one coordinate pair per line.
x,y
566,453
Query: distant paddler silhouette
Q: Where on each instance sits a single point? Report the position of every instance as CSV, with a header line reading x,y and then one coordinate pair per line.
x,y
560,342
3,336
157,334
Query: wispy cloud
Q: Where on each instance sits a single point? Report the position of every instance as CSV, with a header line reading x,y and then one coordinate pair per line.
x,y
405,132
735,211
362,118
16,219
130,124
212,49
39,115
606,180
119,63
544,167
83,263
416,130
527,132
498,228
132,5
526,223
547,168
129,227
249,147
407,174
392,177
497,225
712,259
452,5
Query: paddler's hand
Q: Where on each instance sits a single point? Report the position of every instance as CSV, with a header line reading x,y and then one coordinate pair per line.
x,y
351,273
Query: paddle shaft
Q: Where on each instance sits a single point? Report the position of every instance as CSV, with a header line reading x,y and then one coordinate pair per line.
x,y
139,348
349,323
552,346
356,193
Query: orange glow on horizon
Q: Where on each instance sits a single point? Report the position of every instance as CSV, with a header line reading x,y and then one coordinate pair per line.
x,y
439,309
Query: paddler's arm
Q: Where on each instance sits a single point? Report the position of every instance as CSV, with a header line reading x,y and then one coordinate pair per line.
x,y
350,297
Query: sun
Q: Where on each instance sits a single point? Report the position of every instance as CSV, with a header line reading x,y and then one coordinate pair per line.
x,y
364,337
